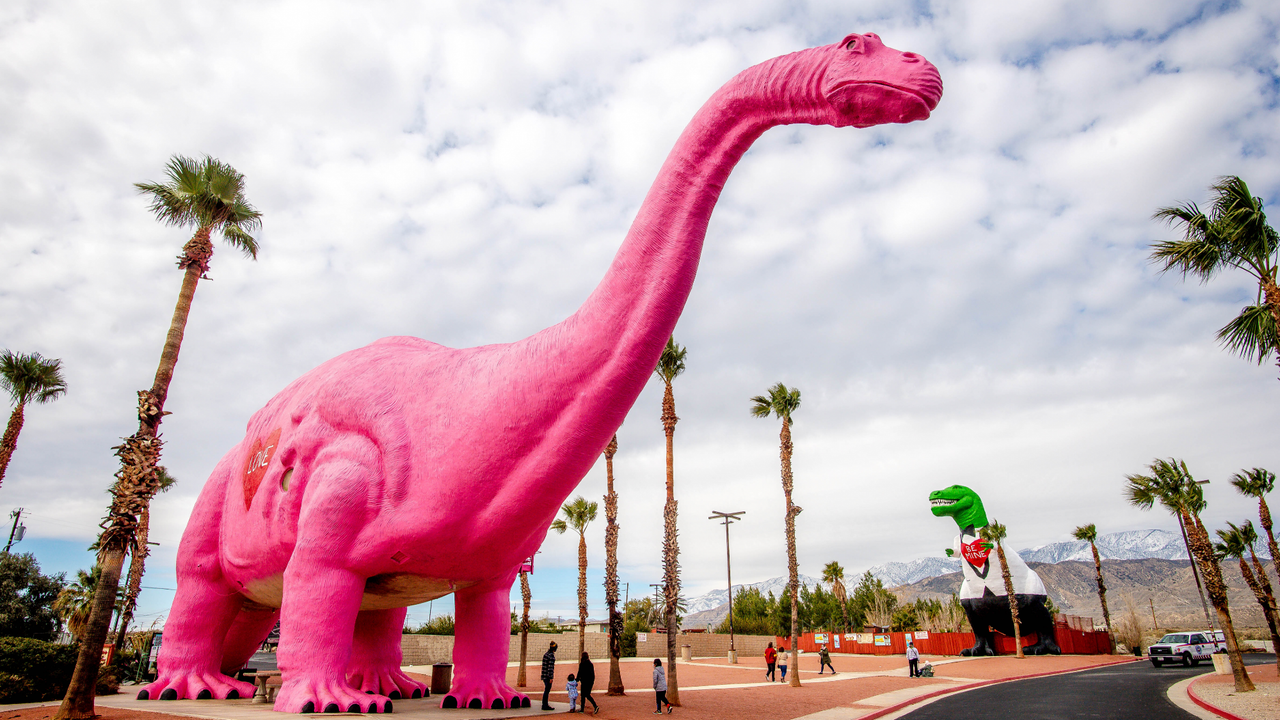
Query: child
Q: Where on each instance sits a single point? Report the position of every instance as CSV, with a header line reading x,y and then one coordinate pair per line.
x,y
571,687
660,687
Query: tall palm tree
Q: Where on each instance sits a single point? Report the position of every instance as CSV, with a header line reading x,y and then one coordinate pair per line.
x,y
1257,483
1234,234
1089,533
28,379
578,514
138,561
1235,542
833,575
1171,484
995,533
527,596
611,572
1250,538
670,365
208,195
782,402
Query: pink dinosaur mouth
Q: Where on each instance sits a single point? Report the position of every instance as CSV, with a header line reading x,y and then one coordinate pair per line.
x,y
868,102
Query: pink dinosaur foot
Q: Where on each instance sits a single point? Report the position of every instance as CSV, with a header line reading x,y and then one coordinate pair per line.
x,y
196,685
490,694
389,681
314,695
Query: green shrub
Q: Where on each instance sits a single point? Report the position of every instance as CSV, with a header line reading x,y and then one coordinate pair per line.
x,y
33,670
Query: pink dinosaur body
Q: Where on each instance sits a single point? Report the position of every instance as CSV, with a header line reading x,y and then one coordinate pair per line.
x,y
405,470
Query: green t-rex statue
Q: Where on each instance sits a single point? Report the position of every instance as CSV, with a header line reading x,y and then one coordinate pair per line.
x,y
983,593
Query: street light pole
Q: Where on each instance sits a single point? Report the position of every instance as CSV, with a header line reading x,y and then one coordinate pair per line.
x,y
726,520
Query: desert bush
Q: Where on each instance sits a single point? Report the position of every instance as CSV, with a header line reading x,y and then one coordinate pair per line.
x,y
32,670
1129,630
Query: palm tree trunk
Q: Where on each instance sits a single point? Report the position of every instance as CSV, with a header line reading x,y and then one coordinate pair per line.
x,y
78,702
582,592
1194,574
1264,518
1102,588
137,566
1264,598
670,545
611,573
1013,599
521,680
136,482
1203,551
10,439
793,570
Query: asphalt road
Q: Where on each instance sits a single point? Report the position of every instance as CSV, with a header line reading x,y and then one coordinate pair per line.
x,y
1131,690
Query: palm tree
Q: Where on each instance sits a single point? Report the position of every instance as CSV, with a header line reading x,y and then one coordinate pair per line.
x,y
1250,538
76,600
208,195
27,379
527,596
578,514
138,563
995,533
670,366
611,572
1235,234
833,575
1257,483
1171,484
1089,533
783,402
1235,542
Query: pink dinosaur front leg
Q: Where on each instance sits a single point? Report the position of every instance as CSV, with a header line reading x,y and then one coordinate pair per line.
x,y
376,656
322,594
482,640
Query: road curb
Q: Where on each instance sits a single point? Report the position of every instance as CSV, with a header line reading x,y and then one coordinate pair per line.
x,y
1191,693
884,712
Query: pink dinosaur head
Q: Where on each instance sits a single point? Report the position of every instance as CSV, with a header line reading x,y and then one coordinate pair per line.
x,y
869,83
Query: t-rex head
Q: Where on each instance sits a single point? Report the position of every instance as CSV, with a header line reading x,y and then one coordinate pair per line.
x,y
868,83
961,504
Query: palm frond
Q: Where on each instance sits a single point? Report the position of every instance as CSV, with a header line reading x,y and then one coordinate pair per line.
x,y
1254,483
31,377
206,193
672,361
1088,533
1252,334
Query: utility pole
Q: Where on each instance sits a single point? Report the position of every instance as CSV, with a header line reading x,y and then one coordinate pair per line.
x,y
1154,625
18,531
727,519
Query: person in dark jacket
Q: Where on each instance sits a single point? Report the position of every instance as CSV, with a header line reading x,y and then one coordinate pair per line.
x,y
586,678
548,674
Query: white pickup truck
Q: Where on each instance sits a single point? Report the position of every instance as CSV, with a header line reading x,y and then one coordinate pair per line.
x,y
1188,648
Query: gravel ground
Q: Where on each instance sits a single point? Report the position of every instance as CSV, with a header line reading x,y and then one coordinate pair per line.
x,y
1262,704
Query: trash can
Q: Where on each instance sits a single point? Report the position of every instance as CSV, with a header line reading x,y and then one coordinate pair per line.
x,y
733,657
441,678
686,652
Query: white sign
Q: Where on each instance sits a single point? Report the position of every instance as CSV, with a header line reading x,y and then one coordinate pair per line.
x,y
922,634
642,637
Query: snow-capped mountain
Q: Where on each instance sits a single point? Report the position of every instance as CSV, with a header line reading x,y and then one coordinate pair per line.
x,y
716,598
1130,545
893,574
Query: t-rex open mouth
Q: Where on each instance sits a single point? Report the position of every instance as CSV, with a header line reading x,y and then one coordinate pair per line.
x,y
941,502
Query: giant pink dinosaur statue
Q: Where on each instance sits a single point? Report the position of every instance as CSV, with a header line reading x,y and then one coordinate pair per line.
x,y
405,470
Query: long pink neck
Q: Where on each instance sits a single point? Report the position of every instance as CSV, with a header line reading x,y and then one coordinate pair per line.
x,y
618,334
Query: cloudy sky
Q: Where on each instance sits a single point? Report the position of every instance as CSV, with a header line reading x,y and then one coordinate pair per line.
x,y
962,300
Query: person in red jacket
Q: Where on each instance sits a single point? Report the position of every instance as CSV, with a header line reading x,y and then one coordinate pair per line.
x,y
770,659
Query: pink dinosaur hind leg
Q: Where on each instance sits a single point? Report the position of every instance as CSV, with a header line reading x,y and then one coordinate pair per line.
x,y
203,610
246,634
482,640
375,656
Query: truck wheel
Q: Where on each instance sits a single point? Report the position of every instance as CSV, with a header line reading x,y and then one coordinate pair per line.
x,y
1186,659
1156,663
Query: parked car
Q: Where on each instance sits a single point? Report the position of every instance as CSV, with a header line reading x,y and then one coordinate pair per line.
x,y
1188,648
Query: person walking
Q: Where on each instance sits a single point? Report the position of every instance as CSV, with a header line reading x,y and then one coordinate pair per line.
x,y
770,658
587,678
782,666
913,660
824,660
660,687
571,687
548,674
